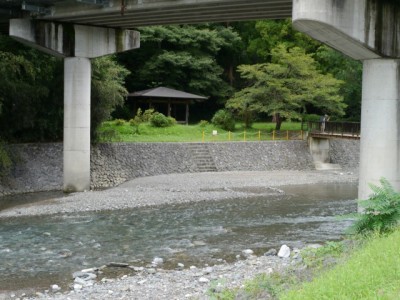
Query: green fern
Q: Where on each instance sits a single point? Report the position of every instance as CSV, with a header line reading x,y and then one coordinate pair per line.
x,y
381,212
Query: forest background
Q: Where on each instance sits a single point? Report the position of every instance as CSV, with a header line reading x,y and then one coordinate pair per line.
x,y
256,70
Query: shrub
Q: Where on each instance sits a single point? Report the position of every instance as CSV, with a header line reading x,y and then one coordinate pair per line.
x,y
109,135
148,113
119,122
311,118
203,123
224,119
171,121
160,120
381,211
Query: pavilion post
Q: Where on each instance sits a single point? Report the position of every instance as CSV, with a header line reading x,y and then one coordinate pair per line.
x,y
187,113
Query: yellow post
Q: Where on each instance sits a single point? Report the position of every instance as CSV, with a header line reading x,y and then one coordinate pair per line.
x,y
229,135
287,134
273,135
202,137
259,135
302,137
244,136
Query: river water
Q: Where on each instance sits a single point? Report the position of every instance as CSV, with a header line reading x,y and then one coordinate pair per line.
x,y
39,251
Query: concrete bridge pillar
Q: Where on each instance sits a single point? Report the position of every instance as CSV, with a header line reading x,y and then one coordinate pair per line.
x,y
77,44
380,126
77,73
366,30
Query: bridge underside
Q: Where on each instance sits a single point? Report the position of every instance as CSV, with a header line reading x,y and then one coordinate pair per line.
x,y
135,13
367,30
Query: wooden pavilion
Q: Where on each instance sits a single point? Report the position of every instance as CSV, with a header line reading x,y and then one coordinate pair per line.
x,y
172,103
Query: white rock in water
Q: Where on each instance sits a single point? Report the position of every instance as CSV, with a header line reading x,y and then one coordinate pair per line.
x,y
247,252
284,252
77,287
90,270
55,288
203,280
181,265
157,261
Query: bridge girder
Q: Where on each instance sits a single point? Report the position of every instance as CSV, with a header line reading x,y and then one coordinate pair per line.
x,y
135,13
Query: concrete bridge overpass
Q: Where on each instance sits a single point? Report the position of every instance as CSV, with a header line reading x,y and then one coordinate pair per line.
x,y
78,30
129,14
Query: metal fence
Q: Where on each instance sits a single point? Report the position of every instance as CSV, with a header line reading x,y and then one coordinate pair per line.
x,y
344,129
275,135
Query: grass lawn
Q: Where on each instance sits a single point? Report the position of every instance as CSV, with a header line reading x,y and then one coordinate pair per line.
x,y
123,132
372,272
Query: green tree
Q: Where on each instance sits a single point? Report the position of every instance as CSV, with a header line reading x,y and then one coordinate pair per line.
x,y
260,37
285,87
349,71
30,94
107,91
182,57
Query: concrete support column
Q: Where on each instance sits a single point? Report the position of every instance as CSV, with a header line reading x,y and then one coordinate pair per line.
x,y
77,76
77,44
380,124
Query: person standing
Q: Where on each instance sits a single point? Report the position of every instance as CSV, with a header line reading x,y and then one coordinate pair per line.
x,y
323,120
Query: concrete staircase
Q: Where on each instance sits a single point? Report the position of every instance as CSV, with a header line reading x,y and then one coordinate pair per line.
x,y
202,157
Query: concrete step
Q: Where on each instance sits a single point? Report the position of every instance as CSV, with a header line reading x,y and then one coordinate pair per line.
x,y
202,158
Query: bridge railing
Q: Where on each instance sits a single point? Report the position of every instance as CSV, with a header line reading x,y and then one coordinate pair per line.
x,y
345,129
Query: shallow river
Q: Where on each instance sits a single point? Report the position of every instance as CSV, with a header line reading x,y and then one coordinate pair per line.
x,y
37,252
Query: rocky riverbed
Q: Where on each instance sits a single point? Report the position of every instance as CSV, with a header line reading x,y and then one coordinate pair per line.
x,y
183,282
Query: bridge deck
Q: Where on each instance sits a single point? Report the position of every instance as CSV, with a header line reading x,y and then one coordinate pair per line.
x,y
134,13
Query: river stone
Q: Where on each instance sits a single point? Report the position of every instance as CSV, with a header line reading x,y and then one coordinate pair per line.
x,y
157,261
247,252
55,288
180,266
136,269
117,265
271,252
203,280
284,252
90,270
314,246
199,243
84,276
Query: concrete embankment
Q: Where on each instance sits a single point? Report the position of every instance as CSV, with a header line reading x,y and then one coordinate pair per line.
x,y
39,167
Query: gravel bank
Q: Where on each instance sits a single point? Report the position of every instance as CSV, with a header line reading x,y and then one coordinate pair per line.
x,y
188,283
178,188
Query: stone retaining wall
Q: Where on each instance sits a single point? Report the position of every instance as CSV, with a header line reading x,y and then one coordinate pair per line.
x,y
39,166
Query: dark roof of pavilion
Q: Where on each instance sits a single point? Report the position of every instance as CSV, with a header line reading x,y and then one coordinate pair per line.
x,y
163,92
